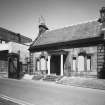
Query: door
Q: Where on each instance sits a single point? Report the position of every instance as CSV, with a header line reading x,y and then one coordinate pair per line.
x,y
14,69
55,64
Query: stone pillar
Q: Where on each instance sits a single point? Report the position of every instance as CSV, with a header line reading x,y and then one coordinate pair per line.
x,y
40,64
77,63
101,60
46,63
85,63
61,64
49,65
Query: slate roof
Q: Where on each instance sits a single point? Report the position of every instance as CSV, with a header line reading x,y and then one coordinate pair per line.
x,y
74,33
71,33
8,35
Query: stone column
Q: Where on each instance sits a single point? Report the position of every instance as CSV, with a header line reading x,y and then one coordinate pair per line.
x,y
61,64
40,64
76,63
85,63
49,65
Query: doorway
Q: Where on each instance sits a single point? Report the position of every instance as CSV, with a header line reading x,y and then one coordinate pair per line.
x,y
55,64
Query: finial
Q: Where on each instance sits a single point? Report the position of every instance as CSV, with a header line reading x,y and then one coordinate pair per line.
x,y
42,25
41,20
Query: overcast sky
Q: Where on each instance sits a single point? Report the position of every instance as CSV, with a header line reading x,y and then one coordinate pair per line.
x,y
21,16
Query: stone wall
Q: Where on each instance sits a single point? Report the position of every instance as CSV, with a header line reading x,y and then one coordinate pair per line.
x,y
91,51
35,57
68,62
19,49
101,60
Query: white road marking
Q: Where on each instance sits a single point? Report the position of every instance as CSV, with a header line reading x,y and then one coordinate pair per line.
x,y
20,102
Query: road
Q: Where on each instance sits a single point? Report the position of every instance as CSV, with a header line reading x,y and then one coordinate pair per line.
x,y
6,102
47,93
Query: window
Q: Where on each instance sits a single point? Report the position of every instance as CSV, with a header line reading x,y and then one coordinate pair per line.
x,y
88,63
80,63
74,63
43,63
3,42
38,64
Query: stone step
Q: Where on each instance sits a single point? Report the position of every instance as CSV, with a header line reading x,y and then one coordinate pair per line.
x,y
38,77
52,78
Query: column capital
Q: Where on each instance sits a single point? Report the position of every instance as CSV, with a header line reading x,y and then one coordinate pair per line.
x,y
49,55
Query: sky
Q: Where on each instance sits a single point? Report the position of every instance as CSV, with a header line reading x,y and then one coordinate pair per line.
x,y
22,16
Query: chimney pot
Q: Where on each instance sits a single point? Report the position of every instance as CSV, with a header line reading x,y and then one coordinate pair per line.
x,y
102,15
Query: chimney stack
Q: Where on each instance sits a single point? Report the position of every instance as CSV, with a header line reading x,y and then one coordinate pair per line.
x,y
102,21
42,25
102,14
102,17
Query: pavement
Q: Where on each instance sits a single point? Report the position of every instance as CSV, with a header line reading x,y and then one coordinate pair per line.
x,y
49,93
93,83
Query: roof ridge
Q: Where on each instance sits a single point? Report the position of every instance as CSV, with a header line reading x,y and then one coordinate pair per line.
x,y
89,21
80,23
13,33
10,31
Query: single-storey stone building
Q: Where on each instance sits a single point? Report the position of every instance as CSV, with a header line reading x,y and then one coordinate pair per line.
x,y
77,50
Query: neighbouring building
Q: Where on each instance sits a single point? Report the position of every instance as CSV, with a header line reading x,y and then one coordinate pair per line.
x,y
77,50
13,53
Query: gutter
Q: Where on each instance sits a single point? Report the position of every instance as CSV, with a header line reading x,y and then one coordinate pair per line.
x,y
69,44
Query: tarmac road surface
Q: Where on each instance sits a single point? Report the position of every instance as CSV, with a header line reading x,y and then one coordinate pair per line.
x,y
7,102
48,93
